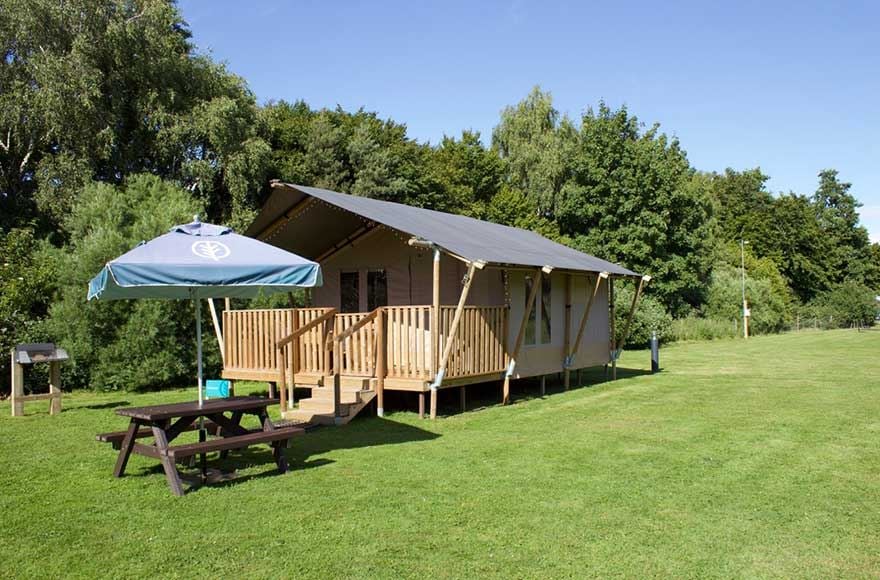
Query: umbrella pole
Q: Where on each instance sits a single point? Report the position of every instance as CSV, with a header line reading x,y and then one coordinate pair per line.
x,y
202,434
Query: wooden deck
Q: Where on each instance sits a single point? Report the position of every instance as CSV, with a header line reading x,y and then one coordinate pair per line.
x,y
393,347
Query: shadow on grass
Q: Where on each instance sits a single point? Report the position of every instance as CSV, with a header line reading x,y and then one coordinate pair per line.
x,y
98,406
302,453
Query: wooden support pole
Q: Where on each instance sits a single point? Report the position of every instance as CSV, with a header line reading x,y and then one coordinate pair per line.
x,y
583,324
544,384
422,405
566,346
632,311
462,399
450,339
435,315
380,363
613,329
517,344
282,378
17,387
217,331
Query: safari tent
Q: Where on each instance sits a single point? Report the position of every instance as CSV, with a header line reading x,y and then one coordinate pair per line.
x,y
417,300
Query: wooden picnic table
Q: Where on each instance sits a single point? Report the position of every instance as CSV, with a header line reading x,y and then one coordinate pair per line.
x,y
166,422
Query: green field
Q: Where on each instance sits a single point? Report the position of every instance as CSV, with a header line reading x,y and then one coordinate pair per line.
x,y
755,459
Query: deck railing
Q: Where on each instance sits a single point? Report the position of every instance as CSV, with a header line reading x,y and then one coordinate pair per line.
x,y
251,337
480,346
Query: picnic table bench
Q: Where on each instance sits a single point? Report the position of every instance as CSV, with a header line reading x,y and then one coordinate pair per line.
x,y
166,422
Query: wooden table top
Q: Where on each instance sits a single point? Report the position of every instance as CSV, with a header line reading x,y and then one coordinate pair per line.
x,y
192,408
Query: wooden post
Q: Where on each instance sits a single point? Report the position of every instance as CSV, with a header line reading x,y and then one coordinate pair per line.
x,y
544,383
380,363
632,310
463,400
17,387
282,379
337,379
217,332
422,405
55,387
435,315
530,303
613,329
450,339
566,347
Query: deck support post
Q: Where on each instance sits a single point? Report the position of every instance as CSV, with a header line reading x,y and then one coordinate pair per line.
x,y
613,329
530,303
544,384
463,400
422,405
380,363
450,339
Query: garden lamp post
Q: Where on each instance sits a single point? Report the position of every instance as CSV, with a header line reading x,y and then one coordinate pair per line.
x,y
745,306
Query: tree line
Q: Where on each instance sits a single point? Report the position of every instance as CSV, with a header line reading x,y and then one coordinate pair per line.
x,y
114,126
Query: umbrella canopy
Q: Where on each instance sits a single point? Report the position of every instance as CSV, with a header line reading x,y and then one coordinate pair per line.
x,y
199,260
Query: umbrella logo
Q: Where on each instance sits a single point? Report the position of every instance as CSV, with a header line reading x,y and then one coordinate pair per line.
x,y
211,250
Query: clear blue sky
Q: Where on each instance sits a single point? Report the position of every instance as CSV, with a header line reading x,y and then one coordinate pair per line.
x,y
792,87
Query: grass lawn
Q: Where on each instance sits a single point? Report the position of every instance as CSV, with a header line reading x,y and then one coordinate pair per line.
x,y
741,459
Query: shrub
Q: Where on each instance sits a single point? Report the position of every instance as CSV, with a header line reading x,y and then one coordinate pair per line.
x,y
846,304
650,316
767,304
697,328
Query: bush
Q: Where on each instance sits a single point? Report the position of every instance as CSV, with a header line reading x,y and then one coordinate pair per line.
x,y
650,316
697,328
846,304
769,312
125,344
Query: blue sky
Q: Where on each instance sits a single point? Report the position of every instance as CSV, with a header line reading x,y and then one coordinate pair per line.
x,y
792,87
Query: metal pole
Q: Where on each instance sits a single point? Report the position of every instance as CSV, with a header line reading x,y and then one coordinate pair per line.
x,y
199,345
742,249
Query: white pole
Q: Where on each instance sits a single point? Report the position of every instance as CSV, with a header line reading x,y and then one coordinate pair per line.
x,y
199,344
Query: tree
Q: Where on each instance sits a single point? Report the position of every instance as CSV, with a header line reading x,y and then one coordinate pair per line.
x,y
467,173
536,144
846,304
847,242
125,344
634,199
103,89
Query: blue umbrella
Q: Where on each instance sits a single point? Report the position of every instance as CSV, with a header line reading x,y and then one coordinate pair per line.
x,y
198,261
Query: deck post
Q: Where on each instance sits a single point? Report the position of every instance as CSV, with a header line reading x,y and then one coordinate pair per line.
x,y
337,379
613,329
422,405
567,339
450,339
530,303
380,363
435,314
544,384
463,400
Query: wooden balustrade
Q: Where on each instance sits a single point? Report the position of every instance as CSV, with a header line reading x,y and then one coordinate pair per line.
x,y
252,338
481,346
357,352
408,342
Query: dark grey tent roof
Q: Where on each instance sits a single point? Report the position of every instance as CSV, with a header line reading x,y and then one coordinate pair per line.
x,y
469,238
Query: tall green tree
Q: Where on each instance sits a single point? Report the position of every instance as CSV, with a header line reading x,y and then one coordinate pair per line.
x,y
634,198
536,144
101,89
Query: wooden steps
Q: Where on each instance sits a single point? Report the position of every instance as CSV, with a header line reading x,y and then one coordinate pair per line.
x,y
319,407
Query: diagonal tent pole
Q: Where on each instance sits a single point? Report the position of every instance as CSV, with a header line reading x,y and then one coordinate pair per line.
x,y
632,310
569,356
530,303
451,336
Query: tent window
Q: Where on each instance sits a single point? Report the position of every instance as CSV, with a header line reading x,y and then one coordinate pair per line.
x,y
377,289
546,294
349,297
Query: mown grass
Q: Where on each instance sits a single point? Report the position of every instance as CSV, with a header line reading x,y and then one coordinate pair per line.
x,y
741,459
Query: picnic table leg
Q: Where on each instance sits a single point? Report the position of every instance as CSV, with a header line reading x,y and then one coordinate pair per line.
x,y
236,419
125,448
277,446
171,473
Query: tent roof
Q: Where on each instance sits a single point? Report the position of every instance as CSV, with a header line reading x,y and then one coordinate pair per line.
x,y
469,238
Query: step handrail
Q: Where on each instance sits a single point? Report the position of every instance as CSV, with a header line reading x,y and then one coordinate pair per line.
x,y
357,325
337,363
280,344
